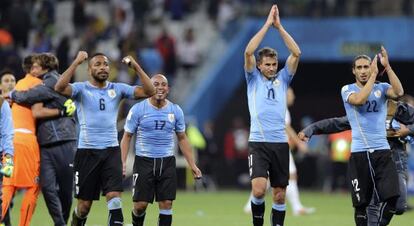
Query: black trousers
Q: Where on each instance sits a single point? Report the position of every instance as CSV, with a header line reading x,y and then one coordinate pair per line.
x,y
56,179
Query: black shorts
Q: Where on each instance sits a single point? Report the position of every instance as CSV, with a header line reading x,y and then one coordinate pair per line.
x,y
372,174
154,176
97,170
269,160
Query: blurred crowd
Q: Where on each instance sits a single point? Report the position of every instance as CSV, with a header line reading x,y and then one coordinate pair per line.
x,y
143,28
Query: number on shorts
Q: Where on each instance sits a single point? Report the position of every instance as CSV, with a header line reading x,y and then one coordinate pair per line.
x,y
355,185
134,178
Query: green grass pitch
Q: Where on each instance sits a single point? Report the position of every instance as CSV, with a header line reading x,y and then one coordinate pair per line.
x,y
223,208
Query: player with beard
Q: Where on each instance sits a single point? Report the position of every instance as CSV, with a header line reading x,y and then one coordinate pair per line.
x,y
98,165
155,121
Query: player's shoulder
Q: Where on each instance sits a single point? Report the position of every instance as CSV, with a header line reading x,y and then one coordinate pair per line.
x,y
174,106
348,87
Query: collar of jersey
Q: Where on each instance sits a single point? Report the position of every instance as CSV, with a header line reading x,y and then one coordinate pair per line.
x,y
150,104
91,85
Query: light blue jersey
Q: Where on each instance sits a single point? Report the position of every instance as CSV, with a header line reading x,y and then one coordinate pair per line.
x,y
97,111
367,121
155,128
267,105
6,129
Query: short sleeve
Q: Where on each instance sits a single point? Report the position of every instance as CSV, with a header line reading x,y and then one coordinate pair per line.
x,y
346,92
384,87
179,119
250,75
131,123
127,91
285,75
77,88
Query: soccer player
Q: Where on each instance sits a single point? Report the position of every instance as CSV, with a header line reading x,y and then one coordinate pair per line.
x,y
6,142
26,156
98,164
396,134
292,190
371,169
155,121
56,134
7,83
268,147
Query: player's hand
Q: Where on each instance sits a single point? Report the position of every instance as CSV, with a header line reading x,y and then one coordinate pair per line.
x,y
69,108
374,67
81,57
276,18
383,56
196,172
403,131
130,61
302,147
303,137
7,169
271,16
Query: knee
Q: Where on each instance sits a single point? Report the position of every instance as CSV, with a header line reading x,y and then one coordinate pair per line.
x,y
259,192
165,205
140,207
279,195
83,210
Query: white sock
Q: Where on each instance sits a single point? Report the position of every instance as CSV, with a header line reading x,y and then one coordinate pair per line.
x,y
292,195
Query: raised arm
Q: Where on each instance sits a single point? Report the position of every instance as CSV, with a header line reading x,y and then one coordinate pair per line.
x,y
325,126
293,59
62,86
147,89
249,59
396,90
361,97
125,142
188,154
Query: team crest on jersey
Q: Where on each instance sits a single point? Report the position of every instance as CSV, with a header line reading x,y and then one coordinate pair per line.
x,y
377,93
171,117
276,82
111,93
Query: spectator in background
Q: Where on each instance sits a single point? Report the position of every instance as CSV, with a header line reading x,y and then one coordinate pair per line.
x,y
339,155
207,156
62,53
236,149
188,52
19,23
79,17
165,45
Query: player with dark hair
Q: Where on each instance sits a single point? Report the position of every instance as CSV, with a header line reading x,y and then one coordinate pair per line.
x,y
371,169
56,134
268,147
155,121
98,164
